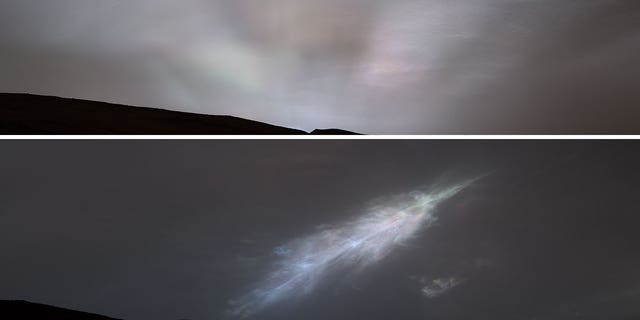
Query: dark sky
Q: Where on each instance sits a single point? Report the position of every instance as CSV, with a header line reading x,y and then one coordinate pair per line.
x,y
177,229
370,66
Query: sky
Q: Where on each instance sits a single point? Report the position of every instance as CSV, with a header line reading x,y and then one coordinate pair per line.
x,y
369,66
201,229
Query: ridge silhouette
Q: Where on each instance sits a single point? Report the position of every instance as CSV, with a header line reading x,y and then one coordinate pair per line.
x,y
22,113
21,309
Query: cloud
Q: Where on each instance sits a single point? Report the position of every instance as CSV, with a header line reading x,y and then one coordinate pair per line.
x,y
440,286
407,66
350,247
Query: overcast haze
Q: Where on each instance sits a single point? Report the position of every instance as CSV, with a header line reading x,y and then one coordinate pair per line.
x,y
178,229
406,66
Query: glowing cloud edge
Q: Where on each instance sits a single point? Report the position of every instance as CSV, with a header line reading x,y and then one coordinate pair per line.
x,y
349,247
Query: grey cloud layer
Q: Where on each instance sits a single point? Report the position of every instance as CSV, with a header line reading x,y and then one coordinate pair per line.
x,y
428,66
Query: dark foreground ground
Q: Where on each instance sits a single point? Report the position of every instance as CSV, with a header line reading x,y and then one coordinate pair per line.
x,y
34,114
20,309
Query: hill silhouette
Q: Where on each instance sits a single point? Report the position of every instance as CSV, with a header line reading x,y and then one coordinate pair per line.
x,y
20,309
36,114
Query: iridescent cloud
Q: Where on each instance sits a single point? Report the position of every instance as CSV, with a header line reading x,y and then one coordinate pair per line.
x,y
350,247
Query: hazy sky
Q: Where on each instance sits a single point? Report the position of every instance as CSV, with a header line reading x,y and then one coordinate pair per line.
x,y
178,229
371,66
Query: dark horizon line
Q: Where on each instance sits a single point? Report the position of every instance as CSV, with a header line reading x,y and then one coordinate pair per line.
x,y
35,310
28,113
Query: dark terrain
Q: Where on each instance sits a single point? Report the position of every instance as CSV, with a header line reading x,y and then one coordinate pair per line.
x,y
35,114
20,309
